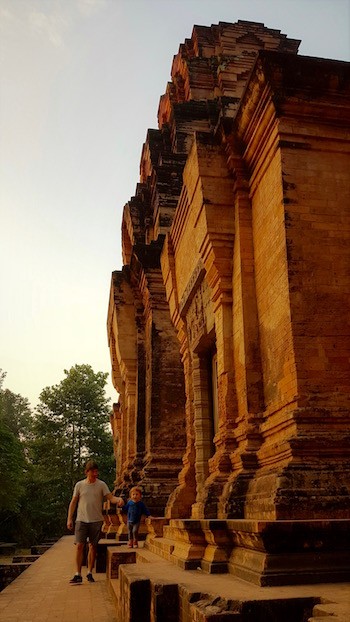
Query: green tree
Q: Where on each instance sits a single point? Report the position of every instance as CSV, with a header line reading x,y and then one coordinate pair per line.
x,y
16,413
14,425
11,470
70,425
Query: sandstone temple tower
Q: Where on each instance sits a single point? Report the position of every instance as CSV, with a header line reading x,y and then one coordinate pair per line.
x,y
228,325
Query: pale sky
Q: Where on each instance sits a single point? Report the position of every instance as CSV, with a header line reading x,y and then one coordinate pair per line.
x,y
80,82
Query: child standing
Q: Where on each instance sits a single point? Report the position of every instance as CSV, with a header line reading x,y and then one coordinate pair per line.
x,y
135,508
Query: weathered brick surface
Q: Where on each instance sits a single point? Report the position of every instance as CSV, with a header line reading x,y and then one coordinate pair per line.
x,y
134,596
164,602
299,225
101,553
115,558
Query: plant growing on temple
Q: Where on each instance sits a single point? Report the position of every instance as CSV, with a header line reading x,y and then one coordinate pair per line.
x,y
70,424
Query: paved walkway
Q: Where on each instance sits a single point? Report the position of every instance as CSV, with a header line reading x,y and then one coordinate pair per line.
x,y
42,592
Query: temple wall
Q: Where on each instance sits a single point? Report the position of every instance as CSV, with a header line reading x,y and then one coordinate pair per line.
x,y
235,290
272,291
300,253
318,248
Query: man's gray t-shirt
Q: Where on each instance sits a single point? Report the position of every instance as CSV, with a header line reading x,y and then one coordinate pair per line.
x,y
90,500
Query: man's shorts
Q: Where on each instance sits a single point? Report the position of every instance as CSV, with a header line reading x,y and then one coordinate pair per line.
x,y
83,531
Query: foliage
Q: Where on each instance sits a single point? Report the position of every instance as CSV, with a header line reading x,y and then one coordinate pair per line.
x,y
11,469
43,453
14,421
15,413
70,425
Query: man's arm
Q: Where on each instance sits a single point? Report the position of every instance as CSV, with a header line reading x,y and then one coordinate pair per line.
x,y
113,499
73,504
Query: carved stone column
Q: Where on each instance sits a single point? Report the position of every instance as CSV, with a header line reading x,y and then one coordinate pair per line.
x,y
181,499
246,350
123,348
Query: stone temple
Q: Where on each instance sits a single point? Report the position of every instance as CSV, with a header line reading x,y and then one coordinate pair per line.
x,y
228,325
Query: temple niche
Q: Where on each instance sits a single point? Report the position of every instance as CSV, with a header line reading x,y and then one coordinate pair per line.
x,y
228,325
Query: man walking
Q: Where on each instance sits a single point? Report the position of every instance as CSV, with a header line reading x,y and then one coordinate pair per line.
x,y
88,495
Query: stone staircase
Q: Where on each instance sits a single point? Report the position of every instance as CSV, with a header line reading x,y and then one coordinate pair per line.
x,y
193,544
145,586
186,570
264,553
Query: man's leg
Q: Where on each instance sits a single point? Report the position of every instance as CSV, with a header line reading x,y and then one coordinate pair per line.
x,y
79,554
80,540
94,536
91,557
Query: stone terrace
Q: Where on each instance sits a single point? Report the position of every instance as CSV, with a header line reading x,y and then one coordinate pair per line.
x,y
42,593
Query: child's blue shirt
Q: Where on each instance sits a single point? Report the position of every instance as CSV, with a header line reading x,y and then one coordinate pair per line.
x,y
135,511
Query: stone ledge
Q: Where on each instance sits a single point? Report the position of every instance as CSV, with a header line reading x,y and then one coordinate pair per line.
x,y
18,559
40,549
124,555
101,554
290,552
165,595
324,611
7,548
115,558
281,552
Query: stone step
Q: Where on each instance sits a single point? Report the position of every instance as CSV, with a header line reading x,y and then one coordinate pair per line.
x,y
113,589
142,598
101,553
125,555
18,559
147,583
329,611
39,549
7,548
144,555
116,557
161,546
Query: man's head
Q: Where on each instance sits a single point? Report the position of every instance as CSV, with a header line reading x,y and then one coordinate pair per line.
x,y
91,465
135,494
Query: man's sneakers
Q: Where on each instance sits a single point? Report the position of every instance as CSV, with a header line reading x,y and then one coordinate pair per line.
x,y
78,579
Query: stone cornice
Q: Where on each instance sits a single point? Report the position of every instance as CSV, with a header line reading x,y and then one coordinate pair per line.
x,y
294,85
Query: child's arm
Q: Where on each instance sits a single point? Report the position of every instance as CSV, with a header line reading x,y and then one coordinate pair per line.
x,y
145,510
125,507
